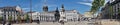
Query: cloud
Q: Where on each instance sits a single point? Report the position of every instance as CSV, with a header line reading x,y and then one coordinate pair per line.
x,y
88,0
25,9
89,4
85,3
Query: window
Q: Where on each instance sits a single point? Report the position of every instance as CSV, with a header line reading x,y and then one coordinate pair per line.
x,y
116,7
119,5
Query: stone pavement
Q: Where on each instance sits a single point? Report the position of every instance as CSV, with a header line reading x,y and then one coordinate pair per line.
x,y
108,22
51,23
103,22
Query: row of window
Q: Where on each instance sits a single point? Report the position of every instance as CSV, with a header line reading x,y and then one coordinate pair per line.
x,y
116,8
47,18
44,18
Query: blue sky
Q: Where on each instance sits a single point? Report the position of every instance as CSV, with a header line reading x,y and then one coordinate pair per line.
x,y
80,5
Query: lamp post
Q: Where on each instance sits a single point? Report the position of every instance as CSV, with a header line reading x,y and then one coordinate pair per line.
x,y
31,11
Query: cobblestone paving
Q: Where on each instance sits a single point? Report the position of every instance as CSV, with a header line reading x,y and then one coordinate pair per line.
x,y
103,22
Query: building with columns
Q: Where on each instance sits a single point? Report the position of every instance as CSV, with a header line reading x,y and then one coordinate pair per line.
x,y
56,15
45,16
11,11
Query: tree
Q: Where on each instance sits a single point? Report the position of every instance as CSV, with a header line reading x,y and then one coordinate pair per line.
x,y
10,19
111,11
96,4
19,19
27,17
1,18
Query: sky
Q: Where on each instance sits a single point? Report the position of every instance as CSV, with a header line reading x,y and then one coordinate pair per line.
x,y
80,5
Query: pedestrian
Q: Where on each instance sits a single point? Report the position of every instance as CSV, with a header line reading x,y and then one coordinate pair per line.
x,y
9,23
37,20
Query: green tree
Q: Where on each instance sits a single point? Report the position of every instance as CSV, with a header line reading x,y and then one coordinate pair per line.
x,y
10,19
19,18
96,4
111,11
1,18
27,19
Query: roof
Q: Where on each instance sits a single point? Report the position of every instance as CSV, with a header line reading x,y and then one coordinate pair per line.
x,y
11,8
54,11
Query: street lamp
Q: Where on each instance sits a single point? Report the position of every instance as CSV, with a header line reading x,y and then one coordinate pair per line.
x,y
31,11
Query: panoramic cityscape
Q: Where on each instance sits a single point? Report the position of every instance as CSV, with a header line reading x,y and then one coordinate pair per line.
x,y
59,12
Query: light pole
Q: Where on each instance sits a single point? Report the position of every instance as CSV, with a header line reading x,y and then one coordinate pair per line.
x,y
31,11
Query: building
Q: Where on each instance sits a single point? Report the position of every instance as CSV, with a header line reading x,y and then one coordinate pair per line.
x,y
48,16
56,15
111,10
105,12
45,16
88,14
42,16
1,12
68,15
35,15
11,11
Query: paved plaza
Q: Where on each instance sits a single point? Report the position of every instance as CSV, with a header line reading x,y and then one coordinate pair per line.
x,y
92,22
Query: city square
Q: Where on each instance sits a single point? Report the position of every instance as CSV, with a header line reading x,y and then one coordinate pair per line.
x,y
59,12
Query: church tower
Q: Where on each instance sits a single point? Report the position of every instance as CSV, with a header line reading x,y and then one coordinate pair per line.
x,y
62,8
57,15
45,7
